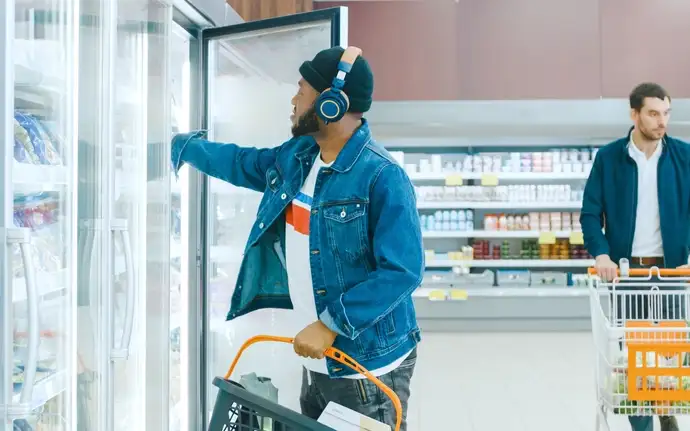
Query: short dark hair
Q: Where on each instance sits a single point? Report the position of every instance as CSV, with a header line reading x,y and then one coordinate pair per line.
x,y
644,90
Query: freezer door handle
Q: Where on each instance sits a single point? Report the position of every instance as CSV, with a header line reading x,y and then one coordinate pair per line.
x,y
121,351
22,237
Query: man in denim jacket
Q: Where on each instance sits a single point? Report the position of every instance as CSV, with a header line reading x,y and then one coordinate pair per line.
x,y
337,238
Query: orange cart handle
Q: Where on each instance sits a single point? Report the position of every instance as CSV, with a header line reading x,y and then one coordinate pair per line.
x,y
646,272
336,355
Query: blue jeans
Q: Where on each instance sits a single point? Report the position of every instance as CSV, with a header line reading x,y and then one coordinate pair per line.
x,y
360,395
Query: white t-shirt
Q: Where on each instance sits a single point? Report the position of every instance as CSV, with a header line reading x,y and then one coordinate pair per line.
x,y
299,268
647,237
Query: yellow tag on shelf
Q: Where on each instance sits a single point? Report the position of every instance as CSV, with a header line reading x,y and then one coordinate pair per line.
x,y
454,180
576,238
489,180
458,295
437,295
547,238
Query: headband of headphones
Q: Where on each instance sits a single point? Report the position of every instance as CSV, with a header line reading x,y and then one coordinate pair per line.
x,y
345,66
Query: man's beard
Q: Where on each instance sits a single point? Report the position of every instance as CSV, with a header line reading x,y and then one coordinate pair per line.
x,y
307,124
650,135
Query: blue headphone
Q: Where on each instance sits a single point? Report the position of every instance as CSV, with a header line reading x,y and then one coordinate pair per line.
x,y
333,103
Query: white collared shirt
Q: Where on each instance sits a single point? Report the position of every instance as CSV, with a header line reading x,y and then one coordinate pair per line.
x,y
647,238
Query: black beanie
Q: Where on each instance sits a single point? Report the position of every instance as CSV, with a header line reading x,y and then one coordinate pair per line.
x,y
359,82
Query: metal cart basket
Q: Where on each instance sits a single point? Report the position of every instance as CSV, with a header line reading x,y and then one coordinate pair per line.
x,y
640,329
236,409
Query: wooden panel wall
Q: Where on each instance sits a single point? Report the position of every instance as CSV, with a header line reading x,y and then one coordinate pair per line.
x,y
252,10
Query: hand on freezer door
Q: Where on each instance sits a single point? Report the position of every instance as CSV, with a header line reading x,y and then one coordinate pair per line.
x,y
313,340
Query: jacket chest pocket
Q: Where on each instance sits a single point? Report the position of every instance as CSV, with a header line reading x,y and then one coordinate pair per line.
x,y
346,228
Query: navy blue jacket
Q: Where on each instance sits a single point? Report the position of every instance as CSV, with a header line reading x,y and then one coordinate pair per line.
x,y
610,201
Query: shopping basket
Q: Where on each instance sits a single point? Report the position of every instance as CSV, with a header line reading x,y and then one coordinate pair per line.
x,y
237,409
640,329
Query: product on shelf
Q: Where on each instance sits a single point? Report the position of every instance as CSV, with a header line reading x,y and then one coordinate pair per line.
x,y
530,249
455,220
554,161
33,143
41,214
542,193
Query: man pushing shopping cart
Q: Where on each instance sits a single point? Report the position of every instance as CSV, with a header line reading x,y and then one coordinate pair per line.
x,y
639,192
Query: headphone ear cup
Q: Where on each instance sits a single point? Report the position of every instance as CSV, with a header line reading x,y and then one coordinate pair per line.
x,y
332,105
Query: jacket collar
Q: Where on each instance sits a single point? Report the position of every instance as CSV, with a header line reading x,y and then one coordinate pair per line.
x,y
350,152
625,142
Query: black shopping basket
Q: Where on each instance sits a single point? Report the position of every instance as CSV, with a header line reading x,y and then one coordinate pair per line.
x,y
237,409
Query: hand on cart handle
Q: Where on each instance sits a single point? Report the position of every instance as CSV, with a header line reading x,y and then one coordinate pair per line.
x,y
334,354
605,268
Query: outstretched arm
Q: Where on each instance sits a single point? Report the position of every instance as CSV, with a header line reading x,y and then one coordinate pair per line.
x,y
242,167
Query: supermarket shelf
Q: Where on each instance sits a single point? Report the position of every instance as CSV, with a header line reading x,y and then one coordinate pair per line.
x,y
503,176
435,294
46,282
497,205
46,389
40,177
528,234
511,263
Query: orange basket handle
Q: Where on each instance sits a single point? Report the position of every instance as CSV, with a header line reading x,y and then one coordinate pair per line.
x,y
336,355
646,272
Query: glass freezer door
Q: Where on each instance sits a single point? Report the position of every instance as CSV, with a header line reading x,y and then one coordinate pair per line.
x,y
37,190
124,217
251,74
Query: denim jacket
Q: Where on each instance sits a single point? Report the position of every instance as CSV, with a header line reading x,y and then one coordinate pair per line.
x,y
365,243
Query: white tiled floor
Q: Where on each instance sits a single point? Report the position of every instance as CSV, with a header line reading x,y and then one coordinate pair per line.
x,y
506,382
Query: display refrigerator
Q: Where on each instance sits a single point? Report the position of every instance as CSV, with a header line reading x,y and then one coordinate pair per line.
x,y
86,214
116,275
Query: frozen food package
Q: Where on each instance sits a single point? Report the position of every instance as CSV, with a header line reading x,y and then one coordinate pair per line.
x,y
51,139
40,140
23,149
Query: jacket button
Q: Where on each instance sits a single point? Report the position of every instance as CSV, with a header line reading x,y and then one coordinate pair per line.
x,y
283,196
314,252
314,211
261,225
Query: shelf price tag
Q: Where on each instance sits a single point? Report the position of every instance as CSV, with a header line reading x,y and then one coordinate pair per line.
x,y
437,295
458,295
576,238
454,180
547,238
490,180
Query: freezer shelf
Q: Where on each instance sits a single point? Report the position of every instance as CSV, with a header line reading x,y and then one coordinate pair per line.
x,y
40,177
47,283
45,389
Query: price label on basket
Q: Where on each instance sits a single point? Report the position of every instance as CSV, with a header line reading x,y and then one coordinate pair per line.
x,y
458,295
489,180
454,180
576,238
437,295
547,238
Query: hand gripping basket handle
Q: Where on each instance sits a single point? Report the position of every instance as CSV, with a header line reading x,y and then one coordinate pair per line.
x,y
336,355
646,272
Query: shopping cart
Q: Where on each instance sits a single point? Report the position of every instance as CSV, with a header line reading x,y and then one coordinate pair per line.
x,y
237,409
640,329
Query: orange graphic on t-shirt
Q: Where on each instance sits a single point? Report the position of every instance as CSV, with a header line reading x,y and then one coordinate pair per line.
x,y
298,217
